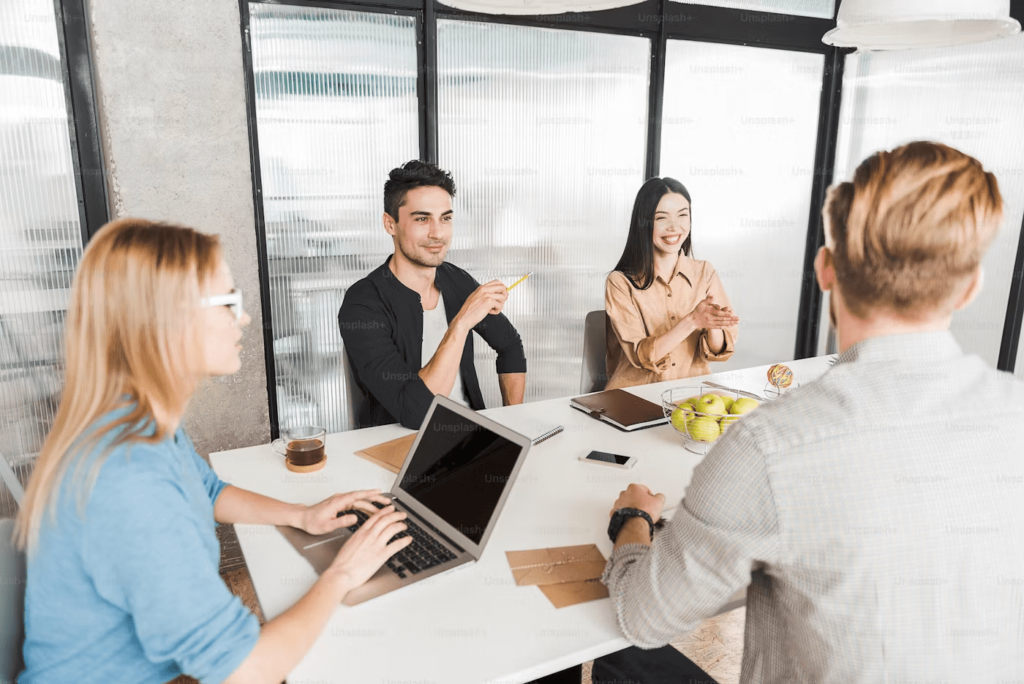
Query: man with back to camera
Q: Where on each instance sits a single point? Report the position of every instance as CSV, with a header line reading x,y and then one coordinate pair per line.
x,y
877,517
407,325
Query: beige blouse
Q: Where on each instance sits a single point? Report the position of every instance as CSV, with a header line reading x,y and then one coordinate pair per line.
x,y
637,317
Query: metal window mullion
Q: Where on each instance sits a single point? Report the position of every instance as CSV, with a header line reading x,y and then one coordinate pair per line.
x,y
656,101
83,114
258,212
824,163
427,83
1014,312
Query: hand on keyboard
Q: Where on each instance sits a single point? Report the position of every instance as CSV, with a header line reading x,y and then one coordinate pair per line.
x,y
423,553
359,515
323,518
371,545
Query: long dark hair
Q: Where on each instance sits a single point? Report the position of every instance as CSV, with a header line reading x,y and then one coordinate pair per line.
x,y
637,260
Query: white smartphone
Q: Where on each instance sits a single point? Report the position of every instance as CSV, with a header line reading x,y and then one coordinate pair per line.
x,y
613,460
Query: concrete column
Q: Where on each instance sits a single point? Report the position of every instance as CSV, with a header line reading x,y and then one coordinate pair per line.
x,y
171,93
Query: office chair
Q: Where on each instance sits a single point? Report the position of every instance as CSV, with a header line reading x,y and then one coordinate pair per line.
x,y
594,375
354,396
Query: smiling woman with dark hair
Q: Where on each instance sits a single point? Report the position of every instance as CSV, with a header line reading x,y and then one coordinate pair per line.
x,y
668,313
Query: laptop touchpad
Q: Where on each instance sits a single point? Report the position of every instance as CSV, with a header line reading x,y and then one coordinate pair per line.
x,y
319,550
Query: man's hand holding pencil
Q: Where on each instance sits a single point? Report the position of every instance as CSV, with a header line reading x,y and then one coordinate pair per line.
x,y
489,298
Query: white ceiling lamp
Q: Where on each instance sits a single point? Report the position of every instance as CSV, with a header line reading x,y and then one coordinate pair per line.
x,y
904,24
537,6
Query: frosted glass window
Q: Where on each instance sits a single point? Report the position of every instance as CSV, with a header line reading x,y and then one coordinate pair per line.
x,y
544,131
971,98
40,234
739,131
336,111
823,9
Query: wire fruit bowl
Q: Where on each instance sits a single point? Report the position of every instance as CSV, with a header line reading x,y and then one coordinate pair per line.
x,y
708,420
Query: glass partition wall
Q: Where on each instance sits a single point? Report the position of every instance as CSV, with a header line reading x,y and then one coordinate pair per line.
x,y
336,109
544,131
40,231
738,130
549,126
547,132
892,98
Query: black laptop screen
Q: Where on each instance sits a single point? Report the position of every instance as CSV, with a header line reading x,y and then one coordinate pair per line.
x,y
459,471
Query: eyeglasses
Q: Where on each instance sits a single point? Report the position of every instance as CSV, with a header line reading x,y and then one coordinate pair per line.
x,y
233,300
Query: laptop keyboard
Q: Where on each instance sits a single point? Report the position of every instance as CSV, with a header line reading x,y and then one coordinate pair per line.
x,y
422,554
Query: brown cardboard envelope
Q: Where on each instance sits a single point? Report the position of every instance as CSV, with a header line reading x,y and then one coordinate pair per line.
x,y
390,455
571,593
556,565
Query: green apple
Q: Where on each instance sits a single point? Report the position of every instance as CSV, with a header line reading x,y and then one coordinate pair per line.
x,y
726,421
744,405
711,405
681,416
728,403
692,401
703,429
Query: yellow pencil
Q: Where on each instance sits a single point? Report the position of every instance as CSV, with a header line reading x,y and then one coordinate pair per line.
x,y
520,280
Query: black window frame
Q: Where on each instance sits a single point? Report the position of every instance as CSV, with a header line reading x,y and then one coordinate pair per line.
x,y
79,79
659,21
1010,341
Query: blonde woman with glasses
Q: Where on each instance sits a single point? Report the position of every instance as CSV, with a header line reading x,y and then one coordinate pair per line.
x,y
118,522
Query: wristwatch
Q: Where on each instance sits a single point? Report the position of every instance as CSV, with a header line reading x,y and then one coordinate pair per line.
x,y
620,517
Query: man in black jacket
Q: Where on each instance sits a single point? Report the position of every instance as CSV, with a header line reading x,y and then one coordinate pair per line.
x,y
407,325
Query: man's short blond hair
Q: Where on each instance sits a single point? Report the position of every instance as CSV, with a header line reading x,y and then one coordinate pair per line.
x,y
911,228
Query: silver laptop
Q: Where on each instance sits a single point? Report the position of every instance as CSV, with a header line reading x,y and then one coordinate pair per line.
x,y
453,486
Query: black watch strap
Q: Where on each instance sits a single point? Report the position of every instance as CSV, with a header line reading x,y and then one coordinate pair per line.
x,y
620,517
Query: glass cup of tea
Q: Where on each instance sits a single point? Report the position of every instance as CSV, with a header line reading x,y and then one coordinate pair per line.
x,y
302,448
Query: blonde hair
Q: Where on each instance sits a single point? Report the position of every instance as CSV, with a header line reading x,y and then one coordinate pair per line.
x,y
911,229
130,343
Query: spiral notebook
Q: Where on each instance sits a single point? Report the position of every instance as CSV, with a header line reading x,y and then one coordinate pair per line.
x,y
621,409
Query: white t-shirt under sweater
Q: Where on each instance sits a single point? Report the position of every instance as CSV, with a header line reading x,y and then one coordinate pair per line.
x,y
435,325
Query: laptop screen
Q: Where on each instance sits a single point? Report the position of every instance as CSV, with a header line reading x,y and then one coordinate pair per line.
x,y
459,471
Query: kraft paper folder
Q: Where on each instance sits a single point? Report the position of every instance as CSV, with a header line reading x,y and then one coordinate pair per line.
x,y
567,575
389,455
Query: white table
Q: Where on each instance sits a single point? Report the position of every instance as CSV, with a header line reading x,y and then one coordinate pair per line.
x,y
474,625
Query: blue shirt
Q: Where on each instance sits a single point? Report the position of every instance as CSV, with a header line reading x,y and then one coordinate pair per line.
x,y
131,591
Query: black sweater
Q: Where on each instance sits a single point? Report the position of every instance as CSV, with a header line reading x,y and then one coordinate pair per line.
x,y
381,322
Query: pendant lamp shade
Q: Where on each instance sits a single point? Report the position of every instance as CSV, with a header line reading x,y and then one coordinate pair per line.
x,y
537,6
904,24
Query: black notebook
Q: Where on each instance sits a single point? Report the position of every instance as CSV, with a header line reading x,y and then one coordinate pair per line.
x,y
620,408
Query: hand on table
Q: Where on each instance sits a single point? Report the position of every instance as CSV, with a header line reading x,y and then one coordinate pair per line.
x,y
711,316
323,517
368,549
639,496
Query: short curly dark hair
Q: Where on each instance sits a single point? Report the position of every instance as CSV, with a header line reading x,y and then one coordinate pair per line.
x,y
410,175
